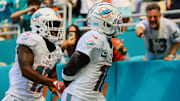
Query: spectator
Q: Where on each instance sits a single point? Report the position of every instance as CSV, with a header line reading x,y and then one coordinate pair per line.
x,y
76,5
173,5
24,15
36,58
119,51
73,35
47,3
5,19
5,11
161,36
136,5
18,5
87,68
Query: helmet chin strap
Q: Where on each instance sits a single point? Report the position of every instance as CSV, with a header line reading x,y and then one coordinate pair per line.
x,y
113,34
109,35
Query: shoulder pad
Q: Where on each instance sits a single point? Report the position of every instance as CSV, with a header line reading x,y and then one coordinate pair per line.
x,y
28,39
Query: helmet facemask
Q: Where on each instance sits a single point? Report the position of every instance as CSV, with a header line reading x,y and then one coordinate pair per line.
x,y
117,26
54,30
48,25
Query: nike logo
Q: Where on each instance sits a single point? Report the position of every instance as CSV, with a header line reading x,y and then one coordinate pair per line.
x,y
95,37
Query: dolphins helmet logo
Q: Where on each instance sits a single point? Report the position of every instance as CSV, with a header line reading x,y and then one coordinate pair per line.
x,y
36,16
57,14
104,12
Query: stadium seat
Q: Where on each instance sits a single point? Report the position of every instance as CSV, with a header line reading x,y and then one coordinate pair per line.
x,y
3,64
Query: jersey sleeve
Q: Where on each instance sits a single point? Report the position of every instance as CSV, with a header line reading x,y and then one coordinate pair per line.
x,y
142,24
28,39
174,33
89,44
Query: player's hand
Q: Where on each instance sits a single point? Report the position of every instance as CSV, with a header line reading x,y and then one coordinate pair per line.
x,y
53,90
139,32
59,85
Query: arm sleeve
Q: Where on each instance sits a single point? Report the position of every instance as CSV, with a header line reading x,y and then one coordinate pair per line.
x,y
141,24
174,33
27,39
87,44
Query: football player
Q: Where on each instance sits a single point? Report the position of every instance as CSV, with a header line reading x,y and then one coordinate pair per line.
x,y
87,68
36,58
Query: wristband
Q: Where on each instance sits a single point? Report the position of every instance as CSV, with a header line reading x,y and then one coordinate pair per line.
x,y
67,78
172,56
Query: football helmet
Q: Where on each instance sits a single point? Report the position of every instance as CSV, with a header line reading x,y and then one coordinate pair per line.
x,y
105,18
48,23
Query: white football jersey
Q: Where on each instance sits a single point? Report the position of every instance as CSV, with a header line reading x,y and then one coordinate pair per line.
x,y
44,61
158,43
90,78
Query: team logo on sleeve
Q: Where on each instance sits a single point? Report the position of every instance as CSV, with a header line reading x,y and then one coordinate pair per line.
x,y
25,37
90,43
175,34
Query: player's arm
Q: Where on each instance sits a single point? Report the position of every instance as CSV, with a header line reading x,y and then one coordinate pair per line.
x,y
77,61
26,60
53,73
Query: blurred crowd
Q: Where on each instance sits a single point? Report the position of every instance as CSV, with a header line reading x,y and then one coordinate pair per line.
x,y
20,11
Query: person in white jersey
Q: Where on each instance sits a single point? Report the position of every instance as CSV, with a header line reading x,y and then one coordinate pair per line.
x,y
161,35
36,58
86,70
